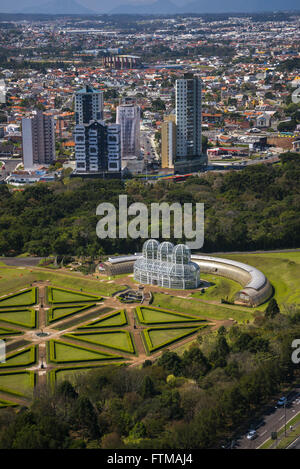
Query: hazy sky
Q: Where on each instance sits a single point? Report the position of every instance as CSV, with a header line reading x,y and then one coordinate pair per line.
x,y
104,6
97,5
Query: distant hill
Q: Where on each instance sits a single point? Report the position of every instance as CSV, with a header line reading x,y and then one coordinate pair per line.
x,y
167,7
239,6
160,7
59,7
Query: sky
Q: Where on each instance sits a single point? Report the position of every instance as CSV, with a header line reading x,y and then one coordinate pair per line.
x,y
102,6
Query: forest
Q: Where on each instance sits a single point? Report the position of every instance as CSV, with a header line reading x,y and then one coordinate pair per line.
x,y
200,399
257,208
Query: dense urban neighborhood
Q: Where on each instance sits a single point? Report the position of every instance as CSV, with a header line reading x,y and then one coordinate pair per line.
x,y
123,342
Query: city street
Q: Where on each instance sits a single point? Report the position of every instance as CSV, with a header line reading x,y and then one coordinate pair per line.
x,y
274,419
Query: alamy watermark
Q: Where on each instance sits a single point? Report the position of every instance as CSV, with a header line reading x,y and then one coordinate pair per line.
x,y
296,96
2,92
154,223
296,352
2,351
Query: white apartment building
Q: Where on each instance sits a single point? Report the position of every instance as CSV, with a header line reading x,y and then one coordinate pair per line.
x,y
88,105
97,147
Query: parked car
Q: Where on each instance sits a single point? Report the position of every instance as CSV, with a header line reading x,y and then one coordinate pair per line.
x,y
251,435
282,401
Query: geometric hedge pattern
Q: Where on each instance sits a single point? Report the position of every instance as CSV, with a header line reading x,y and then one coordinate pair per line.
x,y
86,336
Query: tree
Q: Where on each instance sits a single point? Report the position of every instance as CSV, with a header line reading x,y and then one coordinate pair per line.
x,y
66,390
195,363
272,309
171,362
147,388
85,417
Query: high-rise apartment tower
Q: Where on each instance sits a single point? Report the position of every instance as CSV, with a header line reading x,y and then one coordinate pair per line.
x,y
38,139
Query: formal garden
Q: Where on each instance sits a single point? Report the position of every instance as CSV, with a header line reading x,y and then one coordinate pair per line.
x,y
53,332
60,326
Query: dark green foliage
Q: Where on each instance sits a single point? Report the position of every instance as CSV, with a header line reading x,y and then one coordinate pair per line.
x,y
194,363
272,309
171,362
85,417
147,388
35,431
60,217
66,390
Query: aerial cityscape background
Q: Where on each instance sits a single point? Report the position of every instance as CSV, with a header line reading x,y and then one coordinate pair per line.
x,y
149,226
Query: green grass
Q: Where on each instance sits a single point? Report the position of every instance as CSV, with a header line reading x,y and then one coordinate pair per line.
x,y
60,295
149,315
19,317
283,271
60,312
201,309
71,374
62,352
19,383
115,319
22,358
13,278
119,340
26,298
7,404
286,440
5,332
292,434
221,288
159,337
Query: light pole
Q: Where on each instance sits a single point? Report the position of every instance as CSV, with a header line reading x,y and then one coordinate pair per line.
x,y
285,419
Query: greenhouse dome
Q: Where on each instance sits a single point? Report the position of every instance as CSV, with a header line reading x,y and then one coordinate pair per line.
x,y
167,266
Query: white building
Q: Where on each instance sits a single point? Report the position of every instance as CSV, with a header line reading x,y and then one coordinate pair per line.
x,y
128,117
88,105
38,139
97,145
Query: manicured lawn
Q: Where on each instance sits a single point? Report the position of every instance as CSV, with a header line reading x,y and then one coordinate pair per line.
x,y
7,404
21,317
61,352
115,319
60,295
283,271
221,288
202,309
26,298
71,374
156,338
5,331
18,382
160,336
14,278
24,358
148,315
119,340
61,312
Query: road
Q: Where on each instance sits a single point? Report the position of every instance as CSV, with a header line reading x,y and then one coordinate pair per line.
x,y
295,444
10,165
147,145
274,419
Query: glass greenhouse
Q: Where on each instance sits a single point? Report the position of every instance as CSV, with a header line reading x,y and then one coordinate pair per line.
x,y
167,266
